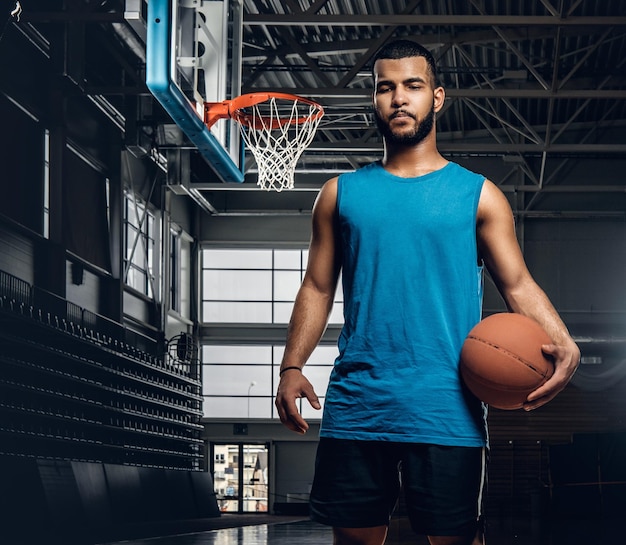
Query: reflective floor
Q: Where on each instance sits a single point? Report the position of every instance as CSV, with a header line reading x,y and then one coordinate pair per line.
x,y
301,533
577,531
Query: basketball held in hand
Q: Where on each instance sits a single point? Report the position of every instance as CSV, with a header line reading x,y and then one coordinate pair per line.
x,y
502,361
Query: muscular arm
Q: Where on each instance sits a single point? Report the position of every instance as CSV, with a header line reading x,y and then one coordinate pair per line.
x,y
503,258
311,309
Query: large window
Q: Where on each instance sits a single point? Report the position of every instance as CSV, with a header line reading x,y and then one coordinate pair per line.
x,y
254,285
240,381
140,242
250,288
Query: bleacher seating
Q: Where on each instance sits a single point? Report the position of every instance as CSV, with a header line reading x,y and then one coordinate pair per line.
x,y
73,387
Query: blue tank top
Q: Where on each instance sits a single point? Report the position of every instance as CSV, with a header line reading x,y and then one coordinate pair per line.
x,y
412,291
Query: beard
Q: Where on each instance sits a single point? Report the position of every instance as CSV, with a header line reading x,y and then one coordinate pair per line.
x,y
421,131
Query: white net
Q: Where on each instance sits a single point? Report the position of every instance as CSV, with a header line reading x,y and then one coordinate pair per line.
x,y
277,131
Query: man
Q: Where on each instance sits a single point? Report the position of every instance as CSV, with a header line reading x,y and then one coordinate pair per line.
x,y
410,234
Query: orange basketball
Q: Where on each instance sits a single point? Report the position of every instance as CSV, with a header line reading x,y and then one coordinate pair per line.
x,y
502,361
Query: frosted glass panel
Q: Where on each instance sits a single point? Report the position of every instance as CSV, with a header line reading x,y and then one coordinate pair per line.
x,y
336,315
308,412
286,285
229,407
318,377
287,259
139,258
339,292
237,380
217,312
243,378
324,355
282,312
237,285
237,259
247,275
236,354
261,407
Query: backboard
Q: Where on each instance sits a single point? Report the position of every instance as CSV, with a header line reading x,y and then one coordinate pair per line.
x,y
189,62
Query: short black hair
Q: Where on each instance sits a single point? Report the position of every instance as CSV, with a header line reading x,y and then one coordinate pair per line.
x,y
402,49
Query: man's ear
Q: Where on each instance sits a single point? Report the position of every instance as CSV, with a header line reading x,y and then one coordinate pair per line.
x,y
439,97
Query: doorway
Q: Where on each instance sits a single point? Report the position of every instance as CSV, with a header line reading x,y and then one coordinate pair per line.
x,y
240,477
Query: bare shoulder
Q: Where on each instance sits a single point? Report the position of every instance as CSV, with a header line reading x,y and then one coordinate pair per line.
x,y
330,187
492,204
326,200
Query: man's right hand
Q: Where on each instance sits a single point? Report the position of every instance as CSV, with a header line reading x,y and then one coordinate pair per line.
x,y
294,385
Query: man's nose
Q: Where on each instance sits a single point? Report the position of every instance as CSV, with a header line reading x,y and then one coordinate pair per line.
x,y
398,97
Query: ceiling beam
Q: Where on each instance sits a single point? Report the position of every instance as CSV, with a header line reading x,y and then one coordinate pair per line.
x,y
359,46
300,19
366,93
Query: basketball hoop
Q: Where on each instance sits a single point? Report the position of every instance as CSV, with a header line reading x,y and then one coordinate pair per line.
x,y
276,127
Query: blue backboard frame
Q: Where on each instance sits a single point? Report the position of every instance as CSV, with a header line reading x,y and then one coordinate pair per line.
x,y
161,84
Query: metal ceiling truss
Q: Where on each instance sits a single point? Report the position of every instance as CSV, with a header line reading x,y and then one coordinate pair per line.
x,y
485,54
537,88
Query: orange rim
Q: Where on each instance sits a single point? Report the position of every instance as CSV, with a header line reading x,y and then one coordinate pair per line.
x,y
234,108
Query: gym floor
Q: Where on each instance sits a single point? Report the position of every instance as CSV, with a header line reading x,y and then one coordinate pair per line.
x,y
290,530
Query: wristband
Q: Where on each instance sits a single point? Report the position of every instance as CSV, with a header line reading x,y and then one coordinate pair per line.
x,y
280,373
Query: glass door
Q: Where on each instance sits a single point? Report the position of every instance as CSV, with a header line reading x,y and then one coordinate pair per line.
x,y
240,477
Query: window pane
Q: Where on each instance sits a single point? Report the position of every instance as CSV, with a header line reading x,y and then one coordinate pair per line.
x,y
336,315
229,407
287,259
324,355
130,212
308,412
282,312
339,292
237,380
286,285
244,275
222,407
237,285
236,354
318,376
278,351
219,312
185,280
237,259
243,385
131,235
150,247
261,407
135,279
139,256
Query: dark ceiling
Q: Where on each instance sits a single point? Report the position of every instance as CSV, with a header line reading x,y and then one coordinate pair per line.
x,y
536,90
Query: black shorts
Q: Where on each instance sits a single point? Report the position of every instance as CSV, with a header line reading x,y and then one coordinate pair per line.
x,y
357,484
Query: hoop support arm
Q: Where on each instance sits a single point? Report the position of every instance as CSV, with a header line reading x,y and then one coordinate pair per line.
x,y
214,111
